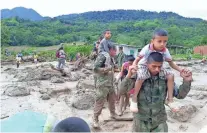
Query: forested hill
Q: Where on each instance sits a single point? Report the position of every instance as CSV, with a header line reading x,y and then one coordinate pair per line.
x,y
131,27
123,15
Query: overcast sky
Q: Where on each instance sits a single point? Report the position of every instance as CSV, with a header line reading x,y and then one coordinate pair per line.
x,y
187,8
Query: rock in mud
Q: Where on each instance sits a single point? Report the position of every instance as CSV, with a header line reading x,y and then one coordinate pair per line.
x,y
89,66
48,74
205,70
34,83
198,94
15,90
83,101
87,72
57,80
75,77
42,90
81,75
184,114
56,91
45,97
183,127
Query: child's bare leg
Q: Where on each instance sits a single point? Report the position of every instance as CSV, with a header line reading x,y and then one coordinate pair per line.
x,y
121,104
170,86
126,103
133,105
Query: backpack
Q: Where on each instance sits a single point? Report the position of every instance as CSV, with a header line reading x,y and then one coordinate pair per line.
x,y
57,54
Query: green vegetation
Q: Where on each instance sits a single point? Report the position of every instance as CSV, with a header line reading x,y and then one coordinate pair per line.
x,y
128,27
185,57
47,53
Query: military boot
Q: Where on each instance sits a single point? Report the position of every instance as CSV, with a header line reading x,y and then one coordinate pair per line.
x,y
114,116
95,123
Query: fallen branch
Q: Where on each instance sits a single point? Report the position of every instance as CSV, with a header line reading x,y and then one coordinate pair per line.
x,y
119,119
3,117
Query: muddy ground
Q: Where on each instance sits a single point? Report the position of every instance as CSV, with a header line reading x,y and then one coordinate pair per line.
x,y
43,89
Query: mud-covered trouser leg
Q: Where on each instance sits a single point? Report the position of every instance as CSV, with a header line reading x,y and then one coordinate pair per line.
x,y
101,96
111,101
59,63
98,107
62,63
146,126
103,93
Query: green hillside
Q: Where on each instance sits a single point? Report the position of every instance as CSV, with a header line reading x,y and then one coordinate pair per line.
x,y
131,27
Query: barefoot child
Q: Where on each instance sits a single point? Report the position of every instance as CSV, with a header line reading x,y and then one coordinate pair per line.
x,y
124,99
158,44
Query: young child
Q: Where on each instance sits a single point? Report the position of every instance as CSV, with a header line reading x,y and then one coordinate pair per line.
x,y
104,46
124,99
158,44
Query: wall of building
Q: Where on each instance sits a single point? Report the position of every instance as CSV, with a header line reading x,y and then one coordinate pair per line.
x,y
202,50
127,50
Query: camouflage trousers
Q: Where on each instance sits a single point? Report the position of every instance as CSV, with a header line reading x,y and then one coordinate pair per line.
x,y
103,94
147,126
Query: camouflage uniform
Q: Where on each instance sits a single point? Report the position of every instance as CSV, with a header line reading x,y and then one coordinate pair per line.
x,y
151,98
104,84
120,59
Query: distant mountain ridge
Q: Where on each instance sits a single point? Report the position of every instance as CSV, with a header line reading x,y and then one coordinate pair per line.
x,y
123,15
101,16
21,12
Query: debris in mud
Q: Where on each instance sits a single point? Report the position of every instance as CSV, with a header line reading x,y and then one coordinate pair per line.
x,y
8,69
45,97
57,80
44,90
184,113
80,63
16,90
47,74
33,83
83,101
4,116
89,65
86,84
198,92
183,128
58,91
75,77
87,72
81,75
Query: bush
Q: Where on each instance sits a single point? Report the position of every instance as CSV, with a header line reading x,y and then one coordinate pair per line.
x,y
49,55
185,56
71,51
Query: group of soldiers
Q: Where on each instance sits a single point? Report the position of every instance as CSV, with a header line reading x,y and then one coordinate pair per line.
x,y
151,99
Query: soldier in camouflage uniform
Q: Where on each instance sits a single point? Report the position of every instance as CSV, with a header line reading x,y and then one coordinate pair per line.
x,y
151,99
104,70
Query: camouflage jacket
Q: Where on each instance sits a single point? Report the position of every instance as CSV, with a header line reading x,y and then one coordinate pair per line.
x,y
152,97
120,59
104,79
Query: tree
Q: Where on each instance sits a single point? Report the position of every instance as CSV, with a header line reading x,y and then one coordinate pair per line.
x,y
204,40
5,35
175,36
